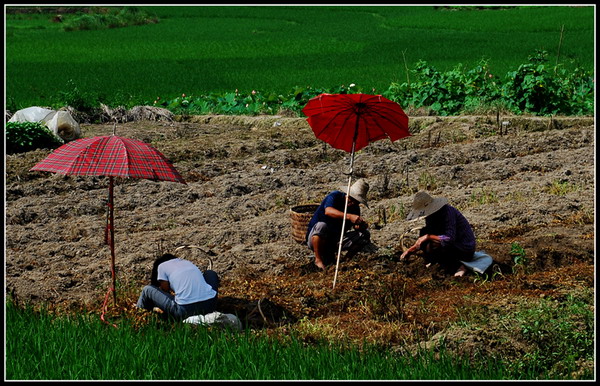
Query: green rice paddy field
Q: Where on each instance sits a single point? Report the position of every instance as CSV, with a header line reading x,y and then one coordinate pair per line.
x,y
202,49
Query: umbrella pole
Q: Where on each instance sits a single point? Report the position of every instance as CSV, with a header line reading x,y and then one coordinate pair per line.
x,y
112,237
337,264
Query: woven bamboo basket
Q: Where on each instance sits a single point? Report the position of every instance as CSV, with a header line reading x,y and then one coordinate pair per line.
x,y
300,216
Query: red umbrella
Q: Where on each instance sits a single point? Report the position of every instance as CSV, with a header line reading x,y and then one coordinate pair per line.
x,y
110,156
350,122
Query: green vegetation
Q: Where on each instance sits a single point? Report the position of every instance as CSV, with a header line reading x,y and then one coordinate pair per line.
x,y
562,334
560,188
26,136
40,346
519,257
559,336
483,196
107,17
556,335
535,87
263,59
426,181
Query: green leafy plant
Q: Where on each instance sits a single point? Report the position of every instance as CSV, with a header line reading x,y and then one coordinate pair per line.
x,y
26,136
253,103
131,352
519,257
536,87
447,92
396,212
533,88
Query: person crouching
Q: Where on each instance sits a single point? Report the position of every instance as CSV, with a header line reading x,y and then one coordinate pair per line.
x,y
325,227
447,237
180,289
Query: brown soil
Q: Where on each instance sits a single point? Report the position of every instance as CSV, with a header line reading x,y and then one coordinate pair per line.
x,y
532,185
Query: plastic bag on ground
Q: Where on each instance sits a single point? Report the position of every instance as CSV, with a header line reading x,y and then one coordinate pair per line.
x,y
216,318
61,123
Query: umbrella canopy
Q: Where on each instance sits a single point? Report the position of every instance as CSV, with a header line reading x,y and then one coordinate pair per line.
x,y
350,122
111,156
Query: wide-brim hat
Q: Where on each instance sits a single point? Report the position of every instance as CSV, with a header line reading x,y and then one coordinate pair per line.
x,y
424,205
358,191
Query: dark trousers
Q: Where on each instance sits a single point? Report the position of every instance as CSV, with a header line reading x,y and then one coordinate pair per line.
x,y
152,296
352,242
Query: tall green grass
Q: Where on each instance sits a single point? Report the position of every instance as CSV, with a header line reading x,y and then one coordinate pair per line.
x,y
43,347
203,49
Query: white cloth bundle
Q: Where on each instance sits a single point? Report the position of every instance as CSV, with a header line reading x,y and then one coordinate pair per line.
x,y
216,318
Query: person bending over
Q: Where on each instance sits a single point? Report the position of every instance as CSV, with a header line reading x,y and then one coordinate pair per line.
x,y
325,227
447,237
179,289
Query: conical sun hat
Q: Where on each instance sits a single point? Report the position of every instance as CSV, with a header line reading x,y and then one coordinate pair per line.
x,y
424,205
358,191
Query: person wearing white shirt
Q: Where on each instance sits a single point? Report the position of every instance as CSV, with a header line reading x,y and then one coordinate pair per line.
x,y
180,289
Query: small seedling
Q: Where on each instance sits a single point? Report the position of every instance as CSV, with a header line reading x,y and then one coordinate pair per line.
x,y
519,257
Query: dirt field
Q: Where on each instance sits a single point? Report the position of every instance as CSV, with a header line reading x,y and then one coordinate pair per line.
x,y
532,186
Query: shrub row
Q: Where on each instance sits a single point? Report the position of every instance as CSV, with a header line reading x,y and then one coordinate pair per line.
x,y
534,88
103,18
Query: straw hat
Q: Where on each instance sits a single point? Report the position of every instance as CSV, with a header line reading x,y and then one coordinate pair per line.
x,y
359,190
424,205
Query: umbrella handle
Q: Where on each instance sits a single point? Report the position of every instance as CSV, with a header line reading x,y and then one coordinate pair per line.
x,y
351,170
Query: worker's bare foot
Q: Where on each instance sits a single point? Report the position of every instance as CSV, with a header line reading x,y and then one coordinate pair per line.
x,y
461,271
320,264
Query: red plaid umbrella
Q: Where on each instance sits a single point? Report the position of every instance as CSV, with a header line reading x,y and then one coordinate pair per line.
x,y
110,156
350,122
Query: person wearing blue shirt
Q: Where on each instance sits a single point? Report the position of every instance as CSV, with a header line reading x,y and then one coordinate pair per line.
x,y
447,237
325,227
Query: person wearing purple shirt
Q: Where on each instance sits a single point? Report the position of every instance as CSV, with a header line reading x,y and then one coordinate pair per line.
x,y
447,237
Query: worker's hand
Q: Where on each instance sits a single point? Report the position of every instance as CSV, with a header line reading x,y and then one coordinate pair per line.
x,y
360,223
420,241
408,252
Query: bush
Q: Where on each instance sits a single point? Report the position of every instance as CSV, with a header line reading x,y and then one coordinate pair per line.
x,y
26,136
104,18
534,88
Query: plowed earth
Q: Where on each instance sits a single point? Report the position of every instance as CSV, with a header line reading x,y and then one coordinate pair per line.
x,y
531,186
